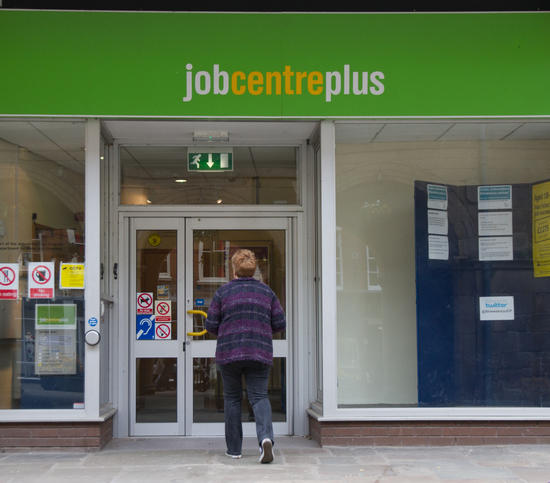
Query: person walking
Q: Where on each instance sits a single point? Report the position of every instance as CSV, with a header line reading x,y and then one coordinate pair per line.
x,y
244,314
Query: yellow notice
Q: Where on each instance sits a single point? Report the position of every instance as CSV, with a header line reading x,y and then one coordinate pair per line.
x,y
541,229
71,276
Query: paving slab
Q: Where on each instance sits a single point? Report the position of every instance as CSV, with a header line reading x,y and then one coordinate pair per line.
x,y
159,460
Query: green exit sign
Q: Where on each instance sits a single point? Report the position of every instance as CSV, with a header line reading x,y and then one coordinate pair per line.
x,y
210,162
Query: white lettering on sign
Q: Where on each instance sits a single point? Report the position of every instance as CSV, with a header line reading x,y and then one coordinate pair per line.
x,y
286,82
41,282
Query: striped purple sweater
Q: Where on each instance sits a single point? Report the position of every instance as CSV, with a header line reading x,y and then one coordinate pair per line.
x,y
244,314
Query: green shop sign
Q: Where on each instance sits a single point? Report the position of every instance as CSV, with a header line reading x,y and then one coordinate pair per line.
x,y
135,64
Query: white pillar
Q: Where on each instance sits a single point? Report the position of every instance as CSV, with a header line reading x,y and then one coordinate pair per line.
x,y
92,294
328,267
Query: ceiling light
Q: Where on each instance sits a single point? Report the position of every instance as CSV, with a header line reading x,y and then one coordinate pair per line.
x,y
180,180
211,137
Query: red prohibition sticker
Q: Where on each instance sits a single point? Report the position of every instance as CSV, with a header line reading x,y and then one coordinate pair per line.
x,y
7,275
9,281
163,331
41,274
144,303
163,310
41,280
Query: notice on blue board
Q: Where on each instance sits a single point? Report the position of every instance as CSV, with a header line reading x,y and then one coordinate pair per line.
x,y
494,197
438,247
437,197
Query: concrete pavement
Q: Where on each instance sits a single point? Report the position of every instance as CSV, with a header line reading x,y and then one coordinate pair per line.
x,y
296,459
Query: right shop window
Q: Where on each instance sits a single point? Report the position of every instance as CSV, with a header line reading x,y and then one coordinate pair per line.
x,y
444,269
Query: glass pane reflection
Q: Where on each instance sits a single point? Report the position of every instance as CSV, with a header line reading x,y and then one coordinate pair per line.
x,y
208,392
212,252
157,268
156,390
262,175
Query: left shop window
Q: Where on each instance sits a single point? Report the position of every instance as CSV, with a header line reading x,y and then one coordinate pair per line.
x,y
41,265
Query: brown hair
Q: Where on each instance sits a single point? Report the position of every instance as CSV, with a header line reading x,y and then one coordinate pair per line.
x,y
244,263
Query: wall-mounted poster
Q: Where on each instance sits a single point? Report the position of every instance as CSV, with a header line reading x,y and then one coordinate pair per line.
x,y
438,247
71,276
541,229
55,339
494,197
437,197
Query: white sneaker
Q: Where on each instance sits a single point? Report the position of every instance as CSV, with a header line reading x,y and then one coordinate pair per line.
x,y
266,451
234,456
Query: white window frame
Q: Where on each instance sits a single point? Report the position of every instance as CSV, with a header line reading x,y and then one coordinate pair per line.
x,y
329,411
92,411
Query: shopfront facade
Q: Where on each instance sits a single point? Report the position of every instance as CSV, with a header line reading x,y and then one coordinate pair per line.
x,y
390,171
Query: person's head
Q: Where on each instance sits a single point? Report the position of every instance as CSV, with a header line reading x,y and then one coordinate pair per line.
x,y
244,263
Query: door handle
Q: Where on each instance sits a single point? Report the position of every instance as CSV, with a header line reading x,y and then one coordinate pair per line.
x,y
200,312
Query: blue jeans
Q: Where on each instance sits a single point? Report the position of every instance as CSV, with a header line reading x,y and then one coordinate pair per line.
x,y
256,376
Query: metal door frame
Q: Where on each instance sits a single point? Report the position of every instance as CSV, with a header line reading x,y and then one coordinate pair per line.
x,y
152,348
207,348
129,224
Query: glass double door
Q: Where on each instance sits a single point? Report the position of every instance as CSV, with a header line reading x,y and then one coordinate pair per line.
x,y
176,265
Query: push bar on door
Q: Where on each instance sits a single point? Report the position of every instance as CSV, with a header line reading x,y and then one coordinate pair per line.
x,y
200,312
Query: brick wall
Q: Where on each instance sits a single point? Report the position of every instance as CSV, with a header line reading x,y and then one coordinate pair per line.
x,y
87,436
428,433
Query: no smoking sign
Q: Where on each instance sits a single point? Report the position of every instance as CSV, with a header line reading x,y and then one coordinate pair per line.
x,y
163,310
163,331
41,280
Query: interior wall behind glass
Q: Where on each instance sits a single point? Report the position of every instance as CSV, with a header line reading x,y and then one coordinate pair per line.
x,y
159,175
377,332
41,220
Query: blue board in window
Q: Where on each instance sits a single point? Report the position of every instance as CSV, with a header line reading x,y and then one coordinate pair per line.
x,y
50,391
462,360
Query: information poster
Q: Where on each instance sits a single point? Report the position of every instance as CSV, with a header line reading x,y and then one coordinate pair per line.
x,y
541,229
437,222
494,223
71,276
437,197
494,197
55,339
496,308
493,248
438,247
